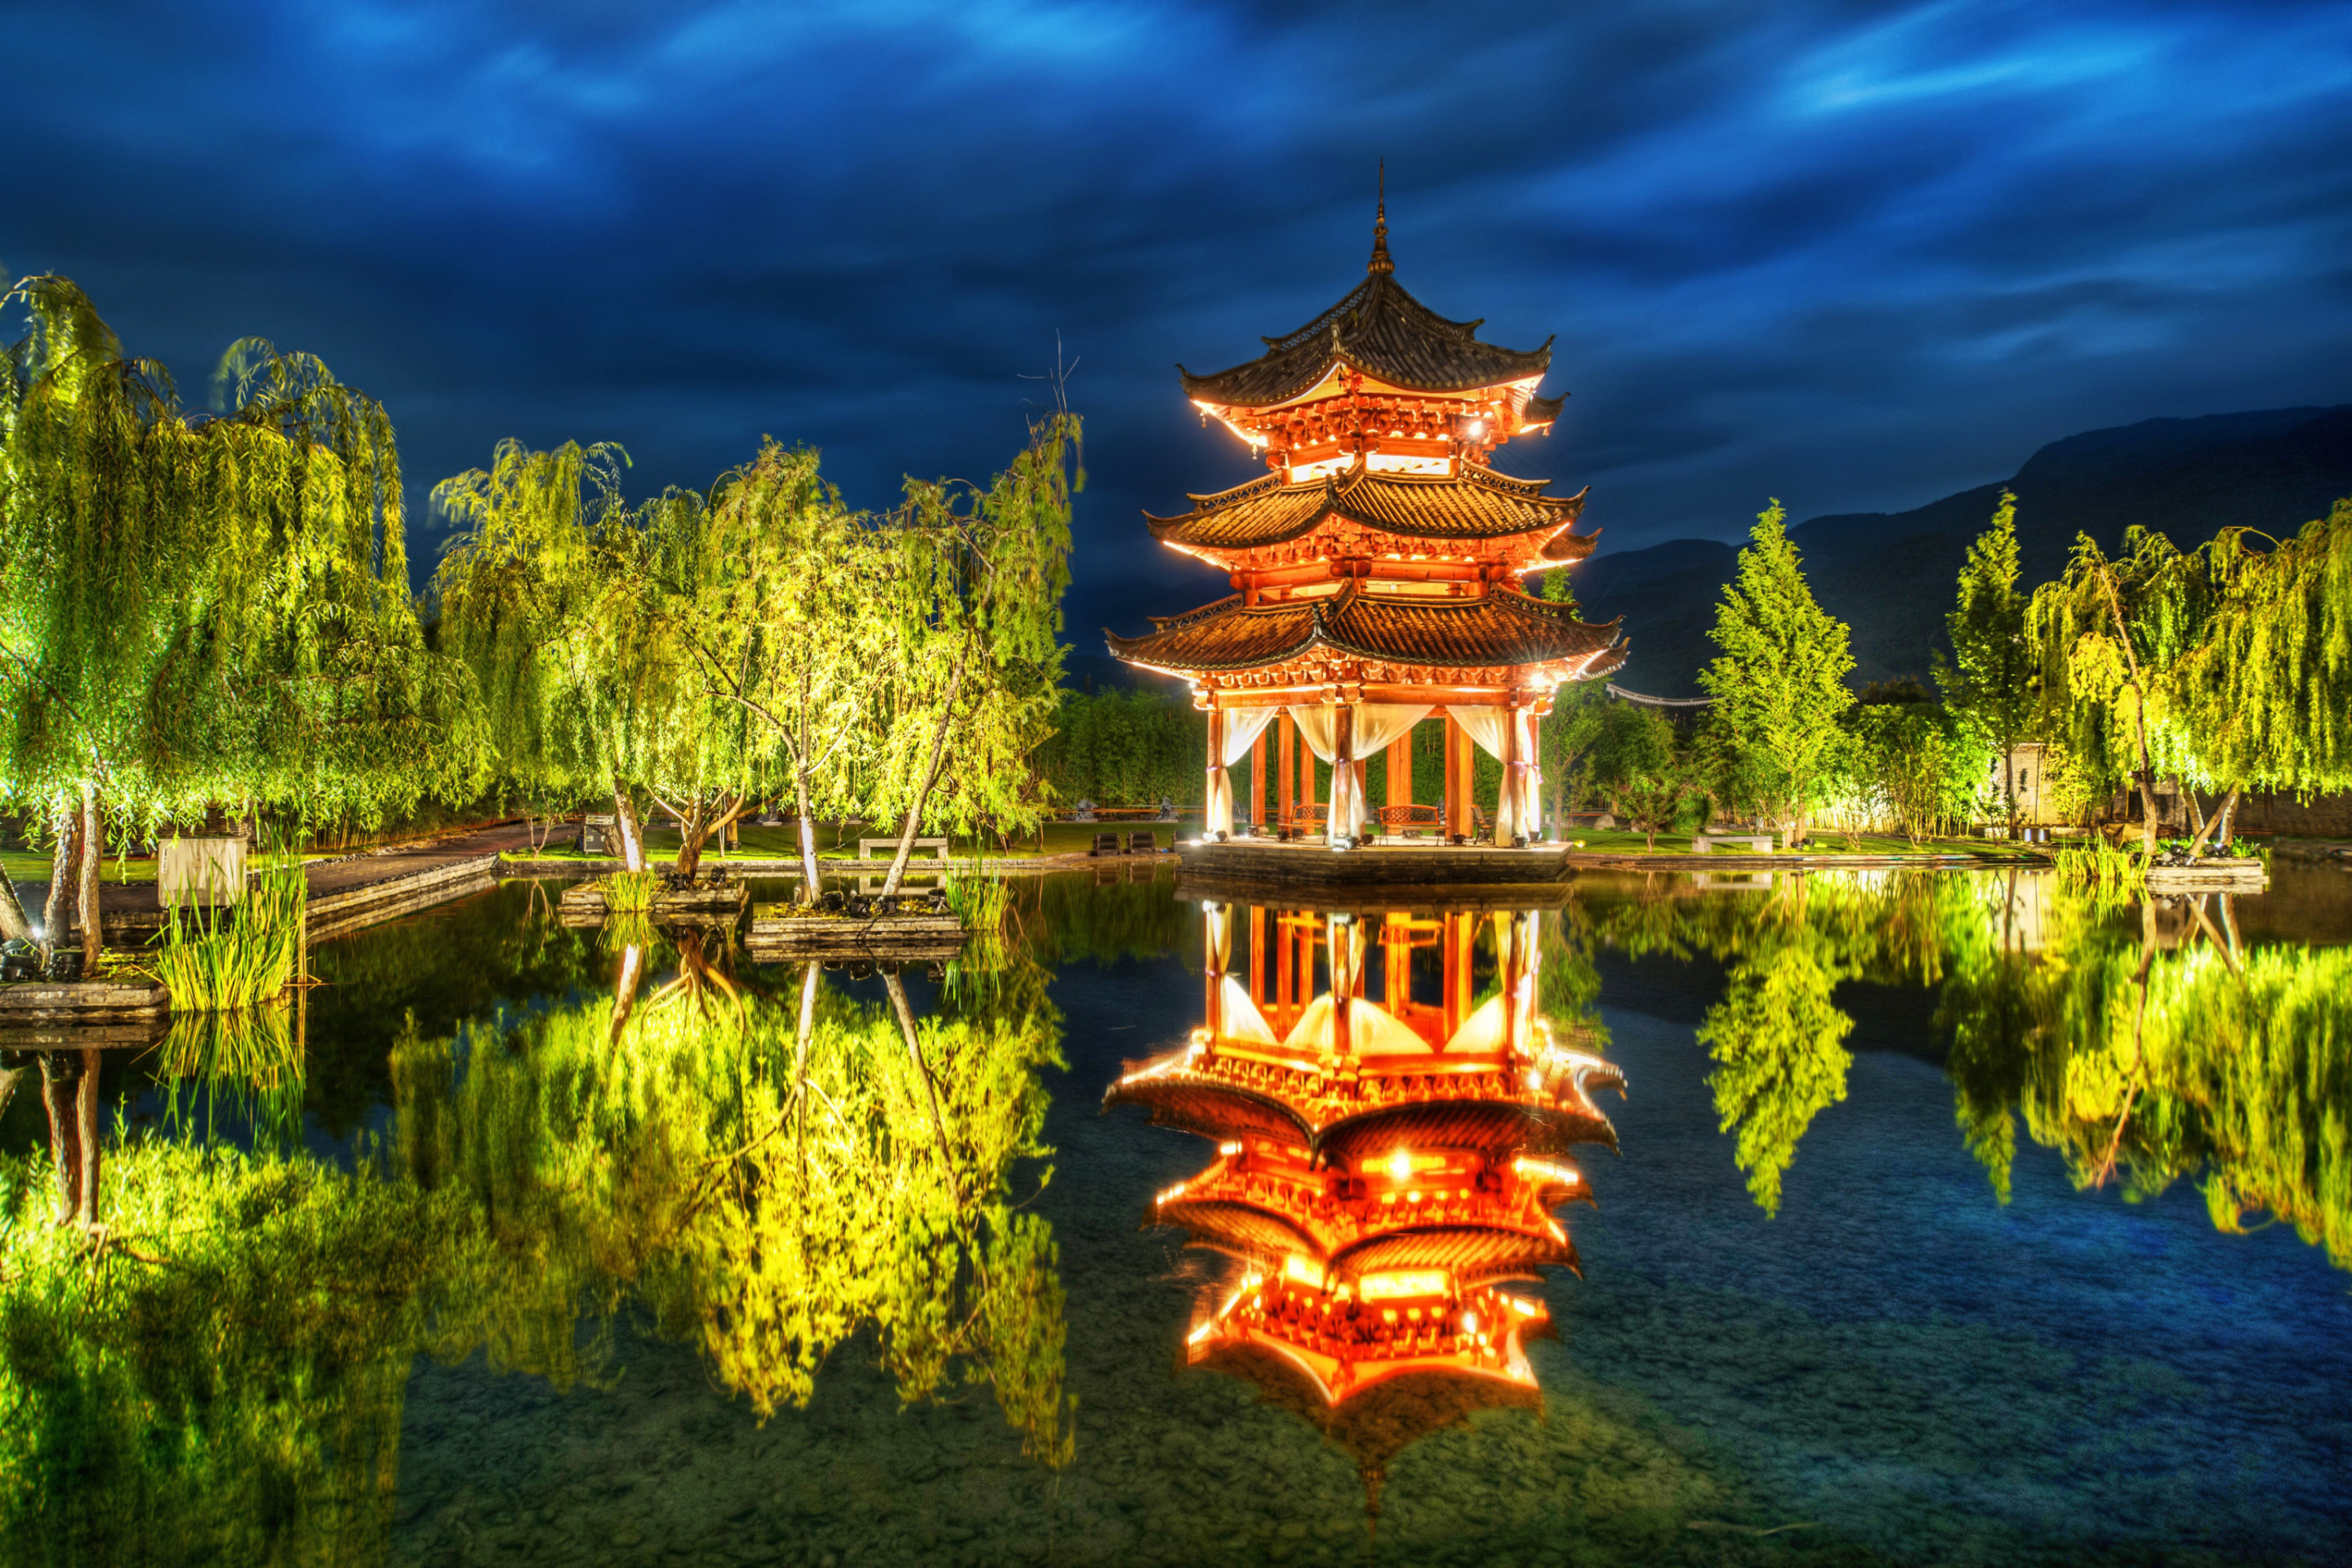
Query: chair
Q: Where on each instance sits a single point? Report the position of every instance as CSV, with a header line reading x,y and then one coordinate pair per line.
x,y
1105,844
1142,844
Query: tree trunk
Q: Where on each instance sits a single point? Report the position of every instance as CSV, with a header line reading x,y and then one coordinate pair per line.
x,y
809,879
897,989
2206,829
625,824
93,855
930,778
693,830
624,986
15,925
65,857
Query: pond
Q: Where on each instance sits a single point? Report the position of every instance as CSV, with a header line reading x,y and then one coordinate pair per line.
x,y
1849,1217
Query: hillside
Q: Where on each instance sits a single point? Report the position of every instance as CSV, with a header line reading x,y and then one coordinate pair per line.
x,y
1890,575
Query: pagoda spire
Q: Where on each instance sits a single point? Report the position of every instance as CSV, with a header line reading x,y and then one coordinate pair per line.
x,y
1381,262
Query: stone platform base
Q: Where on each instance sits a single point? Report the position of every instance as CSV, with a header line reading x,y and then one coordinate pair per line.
x,y
784,933
1435,867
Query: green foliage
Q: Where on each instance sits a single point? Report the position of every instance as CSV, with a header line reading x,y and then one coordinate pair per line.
x,y
207,609
2159,1066
1127,747
218,1377
1990,684
1778,1044
1915,762
2266,694
221,957
1779,683
978,614
1643,768
631,892
767,1198
2109,636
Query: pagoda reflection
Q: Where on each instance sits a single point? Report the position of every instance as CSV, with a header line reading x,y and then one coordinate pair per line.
x,y
1388,1162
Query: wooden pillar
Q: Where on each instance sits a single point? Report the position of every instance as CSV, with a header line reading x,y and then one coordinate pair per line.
x,y
1460,939
1401,771
1305,781
1258,951
1288,803
1507,798
1286,979
1258,781
1343,770
1218,791
1396,944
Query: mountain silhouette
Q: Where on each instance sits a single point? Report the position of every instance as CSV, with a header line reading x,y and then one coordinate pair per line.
x,y
1891,577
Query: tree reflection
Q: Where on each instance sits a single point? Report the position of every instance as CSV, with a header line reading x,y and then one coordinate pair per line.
x,y
766,1194
2140,1039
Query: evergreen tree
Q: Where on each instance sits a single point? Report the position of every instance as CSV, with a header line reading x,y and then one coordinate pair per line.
x,y
1989,683
1778,684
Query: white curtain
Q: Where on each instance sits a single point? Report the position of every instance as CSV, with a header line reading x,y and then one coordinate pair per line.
x,y
1515,810
1243,727
1373,727
1379,726
1318,726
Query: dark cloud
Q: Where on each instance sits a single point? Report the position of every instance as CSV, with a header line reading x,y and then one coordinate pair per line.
x,y
1851,256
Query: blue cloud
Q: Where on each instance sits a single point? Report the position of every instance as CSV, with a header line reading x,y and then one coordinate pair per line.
x,y
1852,256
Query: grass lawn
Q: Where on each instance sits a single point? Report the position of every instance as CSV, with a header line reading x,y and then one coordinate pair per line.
x,y
1621,841
783,843
25,866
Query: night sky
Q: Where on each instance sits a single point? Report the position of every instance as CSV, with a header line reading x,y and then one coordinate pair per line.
x,y
1855,257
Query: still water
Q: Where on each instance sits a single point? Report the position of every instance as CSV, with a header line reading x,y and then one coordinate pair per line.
x,y
1842,1218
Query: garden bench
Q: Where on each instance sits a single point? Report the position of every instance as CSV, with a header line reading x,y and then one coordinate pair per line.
x,y
1105,844
1704,843
1142,844
866,846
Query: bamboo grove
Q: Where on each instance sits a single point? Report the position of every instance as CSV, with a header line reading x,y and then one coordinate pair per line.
x,y
213,610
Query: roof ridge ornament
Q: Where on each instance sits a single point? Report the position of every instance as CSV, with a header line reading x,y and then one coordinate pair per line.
x,y
1381,261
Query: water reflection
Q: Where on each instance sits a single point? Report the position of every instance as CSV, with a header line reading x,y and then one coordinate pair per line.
x,y
1387,1162
208,1360
2142,1038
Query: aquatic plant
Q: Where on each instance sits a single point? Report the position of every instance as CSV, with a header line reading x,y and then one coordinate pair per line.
x,y
251,1057
222,957
631,892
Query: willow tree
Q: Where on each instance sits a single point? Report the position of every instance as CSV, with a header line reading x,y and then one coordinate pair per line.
x,y
2266,694
530,579
2109,637
200,609
1989,682
1779,683
977,612
563,599
779,594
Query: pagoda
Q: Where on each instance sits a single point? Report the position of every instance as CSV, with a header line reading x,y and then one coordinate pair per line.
x,y
1378,568
1385,1167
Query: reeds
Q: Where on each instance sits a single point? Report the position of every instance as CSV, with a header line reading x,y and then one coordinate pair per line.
x,y
214,959
253,1057
631,892
2102,868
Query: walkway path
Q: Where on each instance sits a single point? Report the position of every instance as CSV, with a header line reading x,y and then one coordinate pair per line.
x,y
358,890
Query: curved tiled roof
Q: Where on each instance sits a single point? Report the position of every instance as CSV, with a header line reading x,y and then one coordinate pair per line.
x,y
1503,627
1379,329
1475,503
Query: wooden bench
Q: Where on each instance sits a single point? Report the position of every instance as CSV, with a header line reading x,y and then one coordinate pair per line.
x,y
1142,844
1704,843
866,846
1105,844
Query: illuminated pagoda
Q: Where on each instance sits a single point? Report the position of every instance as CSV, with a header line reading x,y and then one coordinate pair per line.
x,y
1378,567
1385,1167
